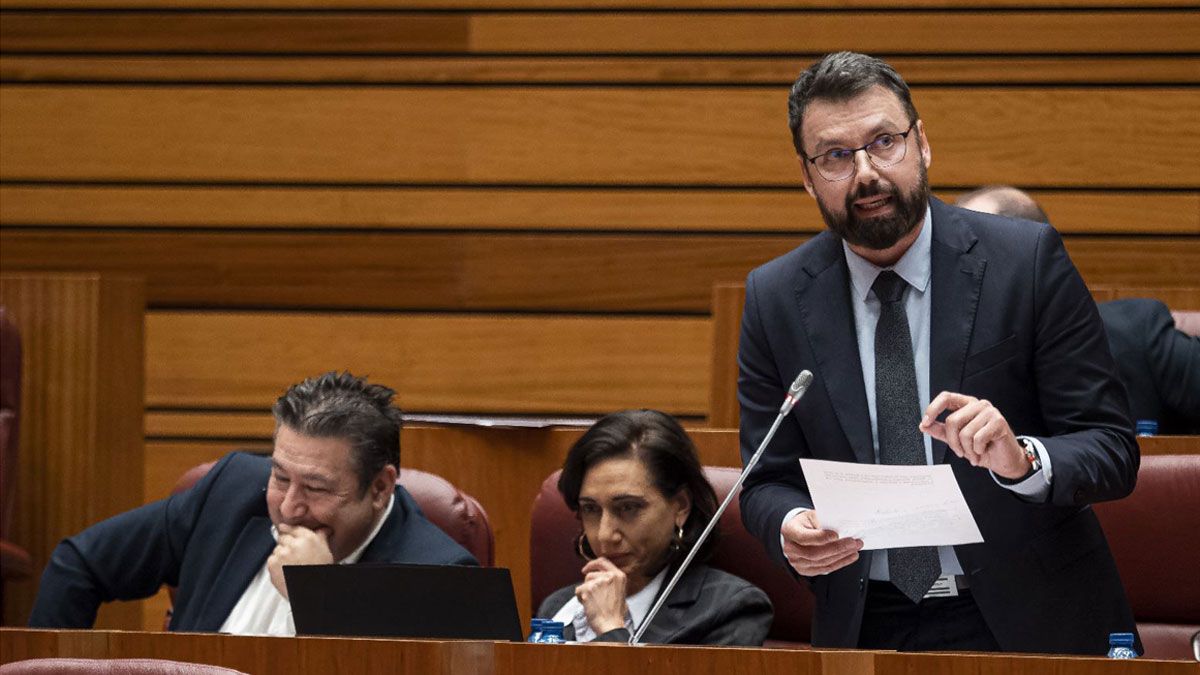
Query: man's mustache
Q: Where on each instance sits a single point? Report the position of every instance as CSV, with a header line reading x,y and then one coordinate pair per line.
x,y
871,190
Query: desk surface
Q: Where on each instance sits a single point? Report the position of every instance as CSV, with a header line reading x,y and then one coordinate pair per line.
x,y
420,657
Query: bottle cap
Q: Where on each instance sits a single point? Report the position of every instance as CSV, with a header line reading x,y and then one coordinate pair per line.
x,y
1120,639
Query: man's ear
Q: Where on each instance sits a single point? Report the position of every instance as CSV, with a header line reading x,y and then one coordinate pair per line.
x,y
926,152
383,486
808,184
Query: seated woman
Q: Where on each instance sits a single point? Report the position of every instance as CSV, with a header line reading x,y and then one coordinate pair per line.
x,y
635,484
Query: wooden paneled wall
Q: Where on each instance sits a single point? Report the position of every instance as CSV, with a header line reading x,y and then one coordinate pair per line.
x,y
523,206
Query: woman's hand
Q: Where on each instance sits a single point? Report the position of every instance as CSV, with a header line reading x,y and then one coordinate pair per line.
x,y
602,594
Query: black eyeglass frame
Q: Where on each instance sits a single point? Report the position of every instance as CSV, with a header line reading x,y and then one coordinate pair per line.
x,y
902,134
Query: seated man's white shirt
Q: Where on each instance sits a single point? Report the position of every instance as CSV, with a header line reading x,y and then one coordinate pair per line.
x,y
639,605
263,611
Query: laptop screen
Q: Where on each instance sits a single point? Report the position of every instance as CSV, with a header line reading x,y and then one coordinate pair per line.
x,y
411,601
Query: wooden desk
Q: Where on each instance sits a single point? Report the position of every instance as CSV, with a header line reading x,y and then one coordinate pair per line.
x,y
1169,445
262,655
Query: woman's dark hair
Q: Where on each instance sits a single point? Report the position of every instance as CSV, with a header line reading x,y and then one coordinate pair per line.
x,y
668,454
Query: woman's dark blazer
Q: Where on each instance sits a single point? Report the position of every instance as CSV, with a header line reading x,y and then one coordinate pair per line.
x,y
706,607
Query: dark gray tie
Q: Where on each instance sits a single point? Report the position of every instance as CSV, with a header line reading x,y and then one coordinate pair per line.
x,y
898,411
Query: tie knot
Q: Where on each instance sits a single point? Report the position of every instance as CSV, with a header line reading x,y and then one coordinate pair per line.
x,y
889,286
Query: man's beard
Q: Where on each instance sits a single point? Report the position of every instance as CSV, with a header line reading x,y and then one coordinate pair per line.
x,y
881,232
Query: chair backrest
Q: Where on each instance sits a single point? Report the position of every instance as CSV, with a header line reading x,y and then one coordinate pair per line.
x,y
71,666
10,415
1155,537
457,513
555,564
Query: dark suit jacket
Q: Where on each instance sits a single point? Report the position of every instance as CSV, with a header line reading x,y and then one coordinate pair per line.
x,y
1159,364
209,541
706,607
1011,322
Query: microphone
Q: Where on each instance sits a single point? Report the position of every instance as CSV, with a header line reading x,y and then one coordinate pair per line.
x,y
795,392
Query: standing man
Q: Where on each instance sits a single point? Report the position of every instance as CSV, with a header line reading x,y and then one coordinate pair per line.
x,y
936,335
327,493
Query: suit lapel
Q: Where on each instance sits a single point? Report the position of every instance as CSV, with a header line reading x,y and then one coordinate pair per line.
x,y
244,560
957,277
823,291
673,616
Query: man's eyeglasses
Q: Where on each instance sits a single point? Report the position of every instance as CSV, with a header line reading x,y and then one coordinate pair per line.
x,y
884,151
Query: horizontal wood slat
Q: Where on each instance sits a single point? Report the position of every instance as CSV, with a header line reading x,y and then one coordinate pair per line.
x,y
581,4
866,31
1177,298
203,425
417,69
382,208
673,32
473,271
444,362
564,135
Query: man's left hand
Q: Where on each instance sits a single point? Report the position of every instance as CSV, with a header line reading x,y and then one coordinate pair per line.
x,y
977,432
297,545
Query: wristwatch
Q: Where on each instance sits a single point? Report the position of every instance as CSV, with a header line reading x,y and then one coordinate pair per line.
x,y
1031,455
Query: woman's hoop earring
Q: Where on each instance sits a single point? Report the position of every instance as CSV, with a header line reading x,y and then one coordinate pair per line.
x,y
583,549
677,541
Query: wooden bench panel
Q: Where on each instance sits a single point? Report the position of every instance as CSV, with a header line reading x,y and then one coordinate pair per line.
x,y
442,362
81,429
573,69
571,32
704,136
485,208
474,271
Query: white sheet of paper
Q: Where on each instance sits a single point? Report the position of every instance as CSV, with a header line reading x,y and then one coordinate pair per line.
x,y
889,506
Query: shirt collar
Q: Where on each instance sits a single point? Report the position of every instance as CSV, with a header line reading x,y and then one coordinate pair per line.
x,y
914,266
639,603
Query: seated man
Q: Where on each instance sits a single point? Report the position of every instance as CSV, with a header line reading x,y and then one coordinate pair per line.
x,y
327,493
1159,364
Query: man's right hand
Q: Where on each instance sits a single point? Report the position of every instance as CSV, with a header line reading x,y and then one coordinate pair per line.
x,y
813,551
297,545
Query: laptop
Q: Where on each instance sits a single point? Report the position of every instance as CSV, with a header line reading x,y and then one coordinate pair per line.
x,y
409,601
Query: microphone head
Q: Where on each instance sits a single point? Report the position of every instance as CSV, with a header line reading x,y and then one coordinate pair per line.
x,y
803,380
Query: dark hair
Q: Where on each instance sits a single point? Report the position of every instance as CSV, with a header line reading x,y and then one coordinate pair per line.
x,y
340,405
666,451
1010,202
840,77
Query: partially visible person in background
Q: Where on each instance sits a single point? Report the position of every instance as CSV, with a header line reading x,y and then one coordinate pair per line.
x,y
642,499
1159,364
1003,200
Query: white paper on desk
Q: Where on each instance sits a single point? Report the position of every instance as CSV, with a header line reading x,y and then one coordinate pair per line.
x,y
890,506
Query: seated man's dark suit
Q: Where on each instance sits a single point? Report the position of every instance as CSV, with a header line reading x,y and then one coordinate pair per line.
x,y
209,541
1159,364
707,607
1011,322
